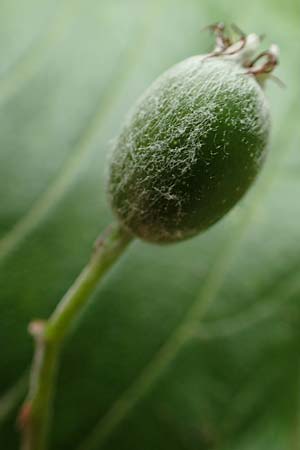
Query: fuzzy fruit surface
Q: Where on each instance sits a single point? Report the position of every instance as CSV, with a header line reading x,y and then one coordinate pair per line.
x,y
189,150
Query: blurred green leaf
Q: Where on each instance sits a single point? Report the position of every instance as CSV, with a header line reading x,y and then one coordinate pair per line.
x,y
146,368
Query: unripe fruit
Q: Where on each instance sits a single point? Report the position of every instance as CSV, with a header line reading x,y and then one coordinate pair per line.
x,y
192,146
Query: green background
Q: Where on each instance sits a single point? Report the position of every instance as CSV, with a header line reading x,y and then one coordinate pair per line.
x,y
69,71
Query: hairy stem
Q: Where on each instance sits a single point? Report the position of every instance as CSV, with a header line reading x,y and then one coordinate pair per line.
x,y
49,335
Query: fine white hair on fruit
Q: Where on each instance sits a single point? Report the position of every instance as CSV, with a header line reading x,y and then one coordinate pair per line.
x,y
191,146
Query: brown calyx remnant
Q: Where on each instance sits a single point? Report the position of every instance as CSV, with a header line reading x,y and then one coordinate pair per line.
x,y
233,41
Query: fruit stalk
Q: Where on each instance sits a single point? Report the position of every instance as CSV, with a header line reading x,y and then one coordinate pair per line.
x,y
35,415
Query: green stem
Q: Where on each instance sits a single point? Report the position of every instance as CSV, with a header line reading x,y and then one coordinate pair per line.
x,y
49,335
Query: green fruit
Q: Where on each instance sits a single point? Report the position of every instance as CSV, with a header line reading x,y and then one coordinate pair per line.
x,y
190,149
